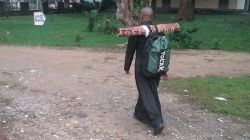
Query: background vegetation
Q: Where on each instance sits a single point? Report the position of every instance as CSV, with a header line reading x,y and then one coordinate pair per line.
x,y
226,32
59,30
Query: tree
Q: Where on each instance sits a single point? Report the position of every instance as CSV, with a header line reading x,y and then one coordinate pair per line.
x,y
186,10
126,11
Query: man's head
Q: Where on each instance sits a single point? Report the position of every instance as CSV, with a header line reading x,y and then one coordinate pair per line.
x,y
146,14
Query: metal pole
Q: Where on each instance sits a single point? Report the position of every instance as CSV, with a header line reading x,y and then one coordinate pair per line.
x,y
6,10
40,35
40,5
246,5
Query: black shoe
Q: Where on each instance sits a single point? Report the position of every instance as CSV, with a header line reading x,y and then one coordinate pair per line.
x,y
158,129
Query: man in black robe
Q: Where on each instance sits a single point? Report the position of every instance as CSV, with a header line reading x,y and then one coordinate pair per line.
x,y
148,107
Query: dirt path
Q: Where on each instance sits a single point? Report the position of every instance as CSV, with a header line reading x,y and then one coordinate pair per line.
x,y
80,94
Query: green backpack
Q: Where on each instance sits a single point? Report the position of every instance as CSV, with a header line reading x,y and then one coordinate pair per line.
x,y
155,54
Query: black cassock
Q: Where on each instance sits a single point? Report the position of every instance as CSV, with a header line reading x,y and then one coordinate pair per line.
x,y
148,107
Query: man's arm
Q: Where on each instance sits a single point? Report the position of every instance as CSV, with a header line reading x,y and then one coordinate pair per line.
x,y
132,43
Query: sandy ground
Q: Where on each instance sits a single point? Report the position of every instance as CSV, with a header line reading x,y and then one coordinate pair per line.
x,y
83,94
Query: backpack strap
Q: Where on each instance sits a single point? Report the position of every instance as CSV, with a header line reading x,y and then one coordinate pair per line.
x,y
156,28
151,29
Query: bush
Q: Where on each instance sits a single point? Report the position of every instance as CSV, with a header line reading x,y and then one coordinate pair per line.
x,y
103,23
91,24
183,39
108,25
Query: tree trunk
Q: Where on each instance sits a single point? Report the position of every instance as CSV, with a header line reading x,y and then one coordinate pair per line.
x,y
186,10
125,9
124,12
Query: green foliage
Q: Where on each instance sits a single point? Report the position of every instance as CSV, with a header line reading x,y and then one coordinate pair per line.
x,y
91,23
137,9
65,30
183,39
224,32
103,23
202,92
108,25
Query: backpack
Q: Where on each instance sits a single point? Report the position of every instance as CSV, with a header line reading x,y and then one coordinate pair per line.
x,y
155,54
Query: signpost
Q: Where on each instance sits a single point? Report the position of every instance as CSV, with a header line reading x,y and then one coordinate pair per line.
x,y
39,20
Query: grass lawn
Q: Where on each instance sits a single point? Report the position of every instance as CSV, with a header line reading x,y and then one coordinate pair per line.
x,y
59,30
229,32
202,91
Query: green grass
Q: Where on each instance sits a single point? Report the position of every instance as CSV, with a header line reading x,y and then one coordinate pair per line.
x,y
59,30
231,32
202,91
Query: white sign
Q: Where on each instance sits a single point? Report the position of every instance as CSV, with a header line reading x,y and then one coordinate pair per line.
x,y
39,18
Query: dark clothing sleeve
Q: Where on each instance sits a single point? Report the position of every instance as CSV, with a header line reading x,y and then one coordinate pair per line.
x,y
131,47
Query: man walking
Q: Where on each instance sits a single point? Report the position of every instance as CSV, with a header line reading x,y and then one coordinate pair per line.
x,y
148,107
